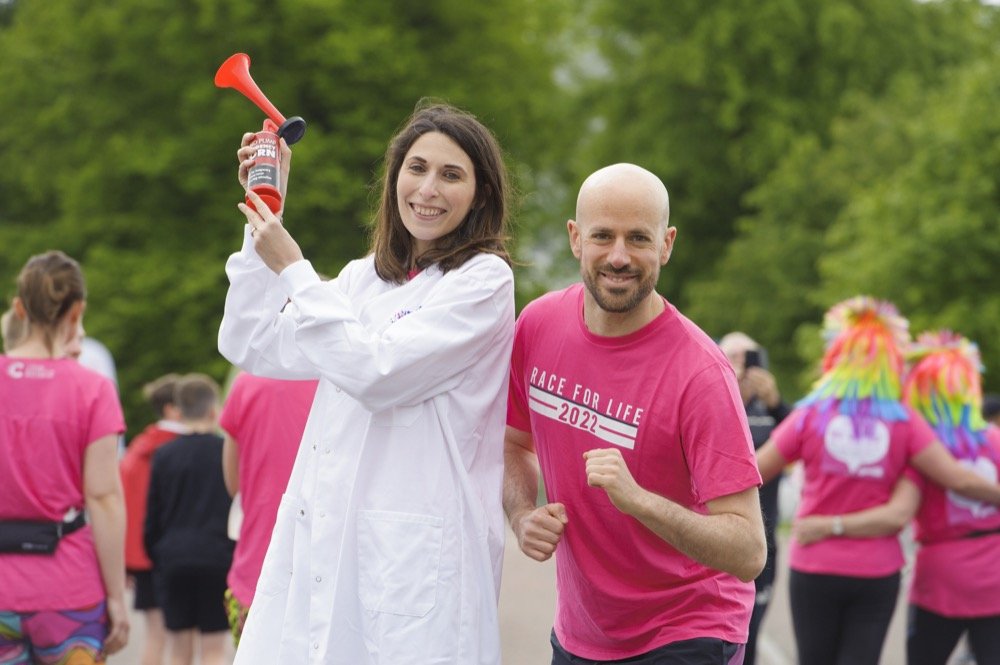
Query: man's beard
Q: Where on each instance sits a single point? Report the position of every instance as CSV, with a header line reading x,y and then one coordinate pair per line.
x,y
618,300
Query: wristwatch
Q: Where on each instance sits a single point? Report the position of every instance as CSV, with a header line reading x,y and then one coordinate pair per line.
x,y
837,528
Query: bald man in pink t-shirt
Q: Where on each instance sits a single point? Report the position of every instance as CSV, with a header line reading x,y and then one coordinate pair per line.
x,y
635,418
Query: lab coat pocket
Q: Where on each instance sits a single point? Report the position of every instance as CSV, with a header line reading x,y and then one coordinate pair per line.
x,y
276,573
398,559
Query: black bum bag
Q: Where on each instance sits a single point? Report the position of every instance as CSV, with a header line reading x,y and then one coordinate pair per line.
x,y
29,537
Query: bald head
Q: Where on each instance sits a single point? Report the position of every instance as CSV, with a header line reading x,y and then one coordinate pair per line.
x,y
624,187
737,343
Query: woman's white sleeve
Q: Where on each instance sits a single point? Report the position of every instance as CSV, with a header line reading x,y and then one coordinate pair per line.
x,y
257,332
468,318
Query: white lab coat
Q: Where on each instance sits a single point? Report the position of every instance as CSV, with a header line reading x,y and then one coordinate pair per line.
x,y
389,539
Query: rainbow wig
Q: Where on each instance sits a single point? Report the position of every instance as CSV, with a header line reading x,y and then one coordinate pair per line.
x,y
944,386
863,362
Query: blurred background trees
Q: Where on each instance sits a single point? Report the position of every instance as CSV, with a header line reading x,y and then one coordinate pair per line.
x,y
814,149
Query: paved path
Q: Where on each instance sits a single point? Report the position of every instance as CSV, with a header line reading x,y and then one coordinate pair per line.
x,y
527,601
527,604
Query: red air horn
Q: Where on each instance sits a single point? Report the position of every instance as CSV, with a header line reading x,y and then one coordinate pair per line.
x,y
264,177
235,73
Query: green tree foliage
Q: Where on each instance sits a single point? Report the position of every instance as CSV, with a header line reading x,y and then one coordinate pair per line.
x,y
769,274
121,151
926,233
768,280
813,148
713,95
903,205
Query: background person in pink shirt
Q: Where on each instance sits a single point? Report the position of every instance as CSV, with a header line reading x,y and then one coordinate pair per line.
x,y
61,589
264,420
856,438
634,416
955,588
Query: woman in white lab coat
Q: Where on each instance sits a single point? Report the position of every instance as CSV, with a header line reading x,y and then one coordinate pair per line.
x,y
389,539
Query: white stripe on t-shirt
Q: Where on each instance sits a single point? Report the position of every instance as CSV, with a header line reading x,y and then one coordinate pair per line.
x,y
582,417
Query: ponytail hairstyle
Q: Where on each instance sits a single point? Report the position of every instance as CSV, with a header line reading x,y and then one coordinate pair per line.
x,y
944,385
47,287
863,363
484,228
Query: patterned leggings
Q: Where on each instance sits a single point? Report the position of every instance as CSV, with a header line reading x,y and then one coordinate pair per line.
x,y
236,612
54,637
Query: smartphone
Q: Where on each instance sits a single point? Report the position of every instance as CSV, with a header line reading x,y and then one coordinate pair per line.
x,y
751,358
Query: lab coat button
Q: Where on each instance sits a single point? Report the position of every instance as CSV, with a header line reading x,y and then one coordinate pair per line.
x,y
318,579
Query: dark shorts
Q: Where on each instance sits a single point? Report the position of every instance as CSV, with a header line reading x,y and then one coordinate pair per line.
x,y
145,595
192,600
699,651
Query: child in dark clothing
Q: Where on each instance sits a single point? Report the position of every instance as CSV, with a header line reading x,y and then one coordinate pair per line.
x,y
185,529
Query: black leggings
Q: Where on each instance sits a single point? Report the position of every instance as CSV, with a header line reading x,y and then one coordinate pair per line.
x,y
930,637
841,620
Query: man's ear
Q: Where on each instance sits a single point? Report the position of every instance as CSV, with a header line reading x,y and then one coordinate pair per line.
x,y
668,245
575,239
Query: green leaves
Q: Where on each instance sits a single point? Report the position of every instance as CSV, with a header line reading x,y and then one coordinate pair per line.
x,y
121,151
813,149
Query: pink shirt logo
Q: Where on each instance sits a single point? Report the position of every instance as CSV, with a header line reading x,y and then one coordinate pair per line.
x,y
22,370
855,452
962,510
579,406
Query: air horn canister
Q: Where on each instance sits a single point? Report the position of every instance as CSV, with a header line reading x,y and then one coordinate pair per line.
x,y
264,176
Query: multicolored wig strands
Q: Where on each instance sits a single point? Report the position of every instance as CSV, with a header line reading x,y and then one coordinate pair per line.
x,y
944,386
863,361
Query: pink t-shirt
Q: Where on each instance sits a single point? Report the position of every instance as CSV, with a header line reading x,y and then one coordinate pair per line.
x,y
266,418
956,575
848,469
668,400
50,411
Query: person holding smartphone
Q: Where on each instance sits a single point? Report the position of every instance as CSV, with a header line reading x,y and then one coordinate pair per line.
x,y
765,409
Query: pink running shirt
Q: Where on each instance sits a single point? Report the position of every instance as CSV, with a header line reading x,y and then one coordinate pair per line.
x,y
667,398
50,411
956,575
266,417
848,470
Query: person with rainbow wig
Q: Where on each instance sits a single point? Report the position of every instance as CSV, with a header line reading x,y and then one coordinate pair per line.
x,y
856,437
956,579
